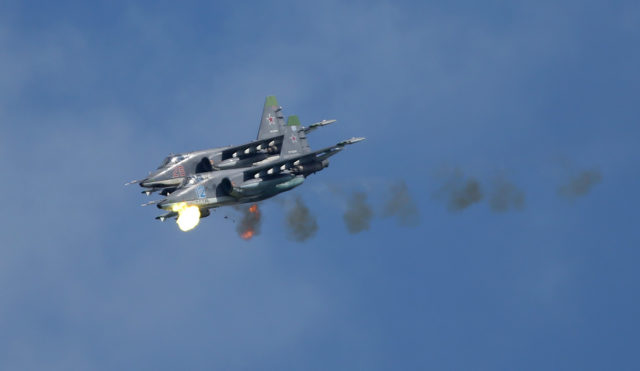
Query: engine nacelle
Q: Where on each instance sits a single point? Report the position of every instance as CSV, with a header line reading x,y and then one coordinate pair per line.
x,y
311,168
229,189
259,187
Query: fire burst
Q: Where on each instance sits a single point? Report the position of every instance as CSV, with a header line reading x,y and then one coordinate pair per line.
x,y
188,216
249,222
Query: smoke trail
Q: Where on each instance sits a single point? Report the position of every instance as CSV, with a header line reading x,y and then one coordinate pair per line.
x,y
505,195
402,205
465,195
250,221
359,214
460,192
580,184
301,224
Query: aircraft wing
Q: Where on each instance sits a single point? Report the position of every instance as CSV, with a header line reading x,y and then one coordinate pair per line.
x,y
286,163
247,148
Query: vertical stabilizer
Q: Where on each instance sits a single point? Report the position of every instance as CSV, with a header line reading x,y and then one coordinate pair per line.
x,y
295,139
272,121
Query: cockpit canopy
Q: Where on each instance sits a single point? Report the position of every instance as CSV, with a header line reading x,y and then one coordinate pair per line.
x,y
171,159
193,179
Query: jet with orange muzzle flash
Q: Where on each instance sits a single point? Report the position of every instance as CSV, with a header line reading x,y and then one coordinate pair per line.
x,y
200,193
175,168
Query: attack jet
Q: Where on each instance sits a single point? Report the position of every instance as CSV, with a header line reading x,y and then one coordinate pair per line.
x,y
206,191
178,168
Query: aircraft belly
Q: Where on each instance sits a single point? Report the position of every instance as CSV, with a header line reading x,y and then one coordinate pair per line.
x,y
273,189
164,183
209,203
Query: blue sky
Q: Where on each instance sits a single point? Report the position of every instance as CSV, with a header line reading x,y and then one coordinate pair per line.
x,y
92,96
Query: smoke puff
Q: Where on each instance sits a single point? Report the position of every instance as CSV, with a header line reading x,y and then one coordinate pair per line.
x,y
402,205
301,224
505,195
358,215
465,196
460,192
250,221
581,184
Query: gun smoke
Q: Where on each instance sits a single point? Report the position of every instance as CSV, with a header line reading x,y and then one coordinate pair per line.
x,y
580,184
460,192
358,215
505,195
401,204
301,225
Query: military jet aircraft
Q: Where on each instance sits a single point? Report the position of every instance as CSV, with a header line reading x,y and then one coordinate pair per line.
x,y
251,184
175,168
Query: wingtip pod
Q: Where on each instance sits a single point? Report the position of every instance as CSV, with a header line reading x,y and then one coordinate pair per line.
x,y
351,141
164,217
316,125
327,122
153,202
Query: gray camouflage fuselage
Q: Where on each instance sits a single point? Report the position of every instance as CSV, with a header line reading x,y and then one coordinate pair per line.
x,y
173,173
220,190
